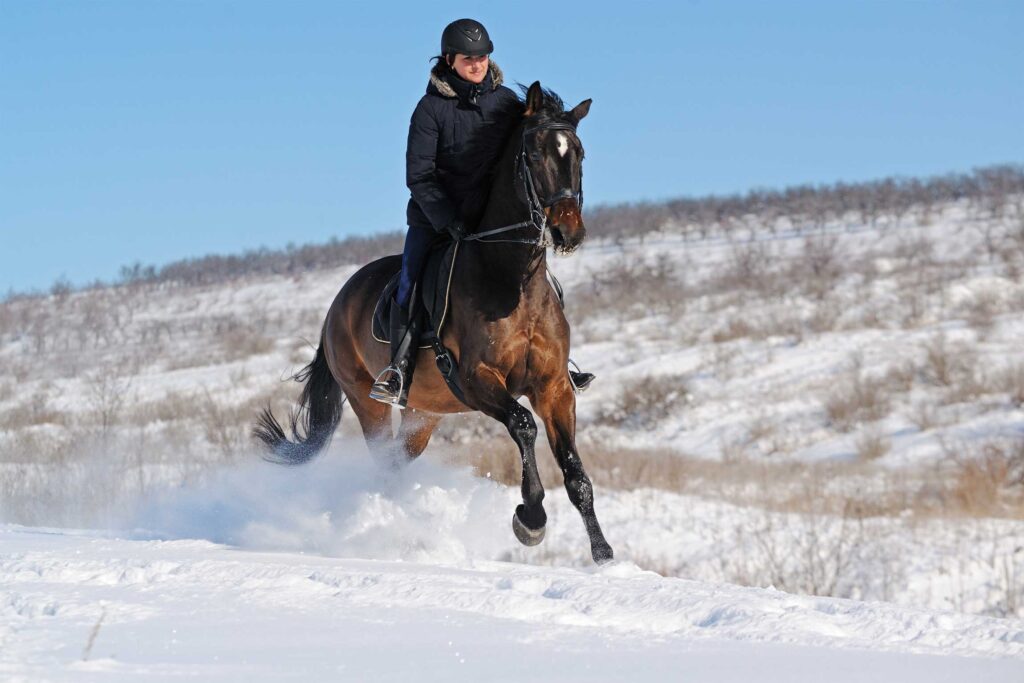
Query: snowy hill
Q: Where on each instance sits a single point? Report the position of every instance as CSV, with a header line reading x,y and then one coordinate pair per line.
x,y
829,407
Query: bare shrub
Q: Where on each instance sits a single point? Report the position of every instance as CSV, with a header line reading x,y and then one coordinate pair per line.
x,y
871,445
1011,381
631,285
813,553
825,316
820,265
1012,250
645,402
227,428
736,327
946,363
748,267
925,415
857,399
899,378
107,393
981,313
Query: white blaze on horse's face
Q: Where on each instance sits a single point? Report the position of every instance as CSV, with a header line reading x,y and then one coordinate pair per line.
x,y
563,144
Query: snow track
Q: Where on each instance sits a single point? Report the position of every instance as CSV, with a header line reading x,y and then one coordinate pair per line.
x,y
194,609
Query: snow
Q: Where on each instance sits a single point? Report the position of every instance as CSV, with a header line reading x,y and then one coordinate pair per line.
x,y
346,570
195,610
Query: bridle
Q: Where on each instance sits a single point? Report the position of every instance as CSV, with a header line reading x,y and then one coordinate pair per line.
x,y
526,190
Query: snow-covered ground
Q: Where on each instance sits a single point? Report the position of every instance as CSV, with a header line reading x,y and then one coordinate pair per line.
x,y
344,570
82,607
127,411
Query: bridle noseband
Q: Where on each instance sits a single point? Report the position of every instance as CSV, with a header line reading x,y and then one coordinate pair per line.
x,y
526,190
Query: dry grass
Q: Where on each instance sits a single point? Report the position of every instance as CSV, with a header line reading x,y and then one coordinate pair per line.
x,y
984,480
988,480
34,411
242,342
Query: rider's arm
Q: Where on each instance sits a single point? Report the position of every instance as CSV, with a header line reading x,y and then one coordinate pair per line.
x,y
421,169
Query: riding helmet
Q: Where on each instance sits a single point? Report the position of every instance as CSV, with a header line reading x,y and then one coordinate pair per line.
x,y
466,37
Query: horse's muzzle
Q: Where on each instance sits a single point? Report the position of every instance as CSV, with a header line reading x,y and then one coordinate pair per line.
x,y
566,224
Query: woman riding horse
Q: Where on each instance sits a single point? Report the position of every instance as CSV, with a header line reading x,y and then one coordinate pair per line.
x,y
464,96
505,333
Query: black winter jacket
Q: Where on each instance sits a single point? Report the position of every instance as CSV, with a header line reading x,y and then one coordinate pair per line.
x,y
453,145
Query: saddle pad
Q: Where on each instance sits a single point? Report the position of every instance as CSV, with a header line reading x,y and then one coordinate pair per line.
x,y
430,298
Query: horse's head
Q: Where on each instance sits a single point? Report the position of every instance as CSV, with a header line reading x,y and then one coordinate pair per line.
x,y
553,155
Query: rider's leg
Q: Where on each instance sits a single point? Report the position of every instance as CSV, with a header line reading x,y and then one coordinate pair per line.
x,y
418,242
392,385
580,380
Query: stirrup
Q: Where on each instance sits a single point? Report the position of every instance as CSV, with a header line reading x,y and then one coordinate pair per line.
x,y
382,389
579,380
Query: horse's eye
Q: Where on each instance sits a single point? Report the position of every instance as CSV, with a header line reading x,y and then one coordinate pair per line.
x,y
534,156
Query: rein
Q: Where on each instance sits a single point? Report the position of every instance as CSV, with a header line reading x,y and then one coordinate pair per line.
x,y
538,219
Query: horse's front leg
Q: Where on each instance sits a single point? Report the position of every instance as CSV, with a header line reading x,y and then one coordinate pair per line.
x,y
485,391
556,406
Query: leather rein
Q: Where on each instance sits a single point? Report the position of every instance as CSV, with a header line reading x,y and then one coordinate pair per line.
x,y
526,189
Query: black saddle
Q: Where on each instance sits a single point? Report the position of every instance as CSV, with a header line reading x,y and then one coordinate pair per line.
x,y
430,298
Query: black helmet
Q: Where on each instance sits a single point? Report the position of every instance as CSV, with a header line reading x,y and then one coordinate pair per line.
x,y
466,37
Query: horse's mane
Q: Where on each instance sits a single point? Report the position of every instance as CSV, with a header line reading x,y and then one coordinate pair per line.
x,y
484,150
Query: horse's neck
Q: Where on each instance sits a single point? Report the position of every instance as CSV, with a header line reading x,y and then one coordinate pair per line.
x,y
510,260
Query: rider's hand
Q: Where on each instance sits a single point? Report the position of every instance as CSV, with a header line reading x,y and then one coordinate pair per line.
x,y
457,229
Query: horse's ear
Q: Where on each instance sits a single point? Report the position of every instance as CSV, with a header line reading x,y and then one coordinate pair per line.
x,y
580,110
534,99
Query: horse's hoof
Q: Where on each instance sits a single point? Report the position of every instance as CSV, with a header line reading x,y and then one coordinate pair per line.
x,y
602,554
526,535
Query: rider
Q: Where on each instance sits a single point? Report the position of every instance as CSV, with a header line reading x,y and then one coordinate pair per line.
x,y
465,93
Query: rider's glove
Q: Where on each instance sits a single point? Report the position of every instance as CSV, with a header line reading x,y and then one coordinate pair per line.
x,y
456,229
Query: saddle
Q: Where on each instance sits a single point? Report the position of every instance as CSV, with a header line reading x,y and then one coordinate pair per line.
x,y
430,301
430,297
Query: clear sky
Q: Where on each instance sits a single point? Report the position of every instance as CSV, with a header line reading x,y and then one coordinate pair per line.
x,y
152,131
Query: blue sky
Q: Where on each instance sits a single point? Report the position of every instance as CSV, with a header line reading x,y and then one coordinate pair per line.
x,y
152,131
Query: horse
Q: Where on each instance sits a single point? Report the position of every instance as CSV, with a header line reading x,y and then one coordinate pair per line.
x,y
505,328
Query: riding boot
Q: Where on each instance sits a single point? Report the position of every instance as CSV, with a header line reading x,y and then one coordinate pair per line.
x,y
580,380
392,385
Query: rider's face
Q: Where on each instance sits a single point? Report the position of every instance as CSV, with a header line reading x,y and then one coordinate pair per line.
x,y
472,69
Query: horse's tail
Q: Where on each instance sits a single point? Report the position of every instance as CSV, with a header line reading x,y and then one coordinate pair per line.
x,y
319,411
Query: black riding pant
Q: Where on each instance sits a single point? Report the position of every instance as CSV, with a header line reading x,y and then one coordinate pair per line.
x,y
418,242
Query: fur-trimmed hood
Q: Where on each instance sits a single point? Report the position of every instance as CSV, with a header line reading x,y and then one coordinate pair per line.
x,y
440,71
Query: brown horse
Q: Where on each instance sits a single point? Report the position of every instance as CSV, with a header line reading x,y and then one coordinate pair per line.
x,y
504,326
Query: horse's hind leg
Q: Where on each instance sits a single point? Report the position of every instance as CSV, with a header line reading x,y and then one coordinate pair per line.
x,y
374,419
415,430
556,407
486,392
